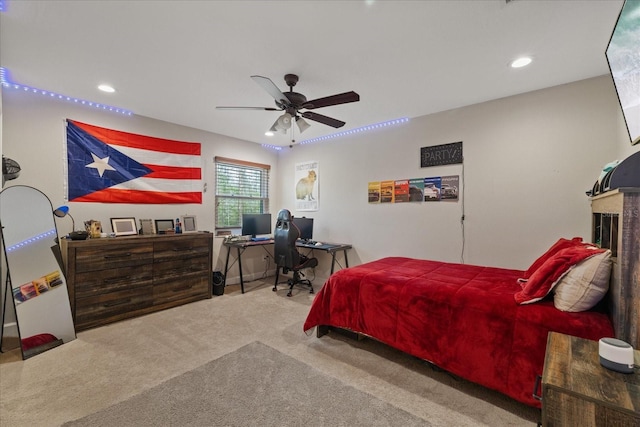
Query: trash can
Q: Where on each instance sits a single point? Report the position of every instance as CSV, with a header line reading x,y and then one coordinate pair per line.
x,y
218,283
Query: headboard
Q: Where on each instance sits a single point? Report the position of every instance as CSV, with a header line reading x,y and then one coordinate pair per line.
x,y
616,226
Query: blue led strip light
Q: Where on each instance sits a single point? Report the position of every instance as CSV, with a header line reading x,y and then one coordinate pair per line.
x,y
4,80
32,240
356,130
346,132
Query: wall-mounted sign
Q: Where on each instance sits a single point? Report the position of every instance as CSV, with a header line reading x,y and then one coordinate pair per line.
x,y
438,155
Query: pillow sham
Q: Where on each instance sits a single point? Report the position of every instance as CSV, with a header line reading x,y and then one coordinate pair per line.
x,y
584,285
557,246
548,274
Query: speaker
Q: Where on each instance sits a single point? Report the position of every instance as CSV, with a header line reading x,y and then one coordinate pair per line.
x,y
218,283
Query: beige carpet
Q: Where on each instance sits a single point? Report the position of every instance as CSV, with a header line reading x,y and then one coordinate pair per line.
x,y
114,363
277,390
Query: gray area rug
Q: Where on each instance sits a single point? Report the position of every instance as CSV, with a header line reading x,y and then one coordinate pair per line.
x,y
255,385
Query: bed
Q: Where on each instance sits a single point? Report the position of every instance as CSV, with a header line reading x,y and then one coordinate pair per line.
x,y
479,323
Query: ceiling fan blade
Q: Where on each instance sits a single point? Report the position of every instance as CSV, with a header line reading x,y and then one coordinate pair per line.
x,y
249,108
322,119
341,98
272,89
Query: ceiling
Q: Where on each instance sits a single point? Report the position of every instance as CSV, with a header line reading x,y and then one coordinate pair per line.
x,y
177,60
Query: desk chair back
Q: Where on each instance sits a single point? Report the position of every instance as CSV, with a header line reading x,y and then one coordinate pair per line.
x,y
285,236
286,254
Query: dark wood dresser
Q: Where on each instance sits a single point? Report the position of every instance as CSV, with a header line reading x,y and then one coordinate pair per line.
x,y
110,279
578,391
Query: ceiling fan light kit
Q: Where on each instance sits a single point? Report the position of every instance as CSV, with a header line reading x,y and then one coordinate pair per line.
x,y
302,124
292,102
283,124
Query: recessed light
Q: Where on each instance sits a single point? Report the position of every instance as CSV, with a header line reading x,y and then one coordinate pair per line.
x,y
521,62
268,133
106,88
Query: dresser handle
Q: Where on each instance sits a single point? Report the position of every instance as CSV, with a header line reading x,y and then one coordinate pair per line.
x,y
182,249
116,280
113,304
124,255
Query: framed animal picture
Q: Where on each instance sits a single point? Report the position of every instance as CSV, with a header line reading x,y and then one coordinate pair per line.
x,y
306,186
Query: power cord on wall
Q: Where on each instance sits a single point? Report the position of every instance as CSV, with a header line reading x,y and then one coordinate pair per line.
x,y
462,217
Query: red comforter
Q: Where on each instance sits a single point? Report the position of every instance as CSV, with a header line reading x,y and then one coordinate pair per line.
x,y
462,318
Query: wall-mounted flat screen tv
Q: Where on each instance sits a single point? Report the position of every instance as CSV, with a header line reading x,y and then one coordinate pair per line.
x,y
623,56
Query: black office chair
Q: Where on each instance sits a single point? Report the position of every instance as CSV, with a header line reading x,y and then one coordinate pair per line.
x,y
287,255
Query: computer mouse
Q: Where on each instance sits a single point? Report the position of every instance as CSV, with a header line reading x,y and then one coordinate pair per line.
x,y
318,243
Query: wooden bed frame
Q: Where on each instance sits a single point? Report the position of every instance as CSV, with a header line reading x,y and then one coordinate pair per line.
x,y
620,209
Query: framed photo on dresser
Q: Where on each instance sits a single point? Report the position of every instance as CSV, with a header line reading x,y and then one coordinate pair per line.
x,y
164,225
189,224
124,226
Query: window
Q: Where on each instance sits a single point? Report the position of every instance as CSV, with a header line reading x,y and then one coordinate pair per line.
x,y
241,187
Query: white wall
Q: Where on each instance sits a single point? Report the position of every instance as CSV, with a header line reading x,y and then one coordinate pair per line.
x,y
34,135
528,160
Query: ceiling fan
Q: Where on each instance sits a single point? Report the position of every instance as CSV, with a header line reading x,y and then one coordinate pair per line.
x,y
292,102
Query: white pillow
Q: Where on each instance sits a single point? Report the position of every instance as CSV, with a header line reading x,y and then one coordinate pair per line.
x,y
584,285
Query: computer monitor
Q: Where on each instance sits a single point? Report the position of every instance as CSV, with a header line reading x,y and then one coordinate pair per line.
x,y
305,225
256,224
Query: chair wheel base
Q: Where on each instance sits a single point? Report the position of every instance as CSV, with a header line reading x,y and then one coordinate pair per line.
x,y
295,280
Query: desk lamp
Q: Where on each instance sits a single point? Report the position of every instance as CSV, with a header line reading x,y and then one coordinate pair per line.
x,y
63,211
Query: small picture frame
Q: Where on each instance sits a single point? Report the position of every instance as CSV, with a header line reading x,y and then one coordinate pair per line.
x,y
124,226
164,225
189,224
147,227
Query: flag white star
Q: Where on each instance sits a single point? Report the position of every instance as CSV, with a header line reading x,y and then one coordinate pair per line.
x,y
100,164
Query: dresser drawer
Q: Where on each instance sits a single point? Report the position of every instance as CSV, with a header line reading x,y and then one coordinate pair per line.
x,y
113,256
180,249
111,307
177,268
187,288
93,283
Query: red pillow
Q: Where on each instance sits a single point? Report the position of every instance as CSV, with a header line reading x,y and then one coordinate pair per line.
x,y
551,271
557,246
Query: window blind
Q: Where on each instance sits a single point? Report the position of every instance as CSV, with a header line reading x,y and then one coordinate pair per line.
x,y
241,187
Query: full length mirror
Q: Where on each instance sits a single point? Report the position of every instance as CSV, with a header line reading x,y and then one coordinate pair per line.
x,y
35,279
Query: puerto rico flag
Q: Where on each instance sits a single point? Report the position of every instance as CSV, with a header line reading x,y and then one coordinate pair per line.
x,y
110,166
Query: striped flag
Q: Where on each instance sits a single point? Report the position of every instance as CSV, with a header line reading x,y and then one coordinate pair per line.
x,y
110,166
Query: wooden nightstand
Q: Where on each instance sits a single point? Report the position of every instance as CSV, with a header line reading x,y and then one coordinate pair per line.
x,y
578,391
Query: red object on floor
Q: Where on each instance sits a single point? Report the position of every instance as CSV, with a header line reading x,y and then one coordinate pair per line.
x,y
37,340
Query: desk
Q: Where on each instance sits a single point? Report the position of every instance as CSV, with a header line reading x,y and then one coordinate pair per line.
x,y
241,246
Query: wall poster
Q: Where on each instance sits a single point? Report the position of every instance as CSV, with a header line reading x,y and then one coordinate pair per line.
x,y
401,191
306,182
432,189
416,189
449,188
386,192
429,189
374,192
